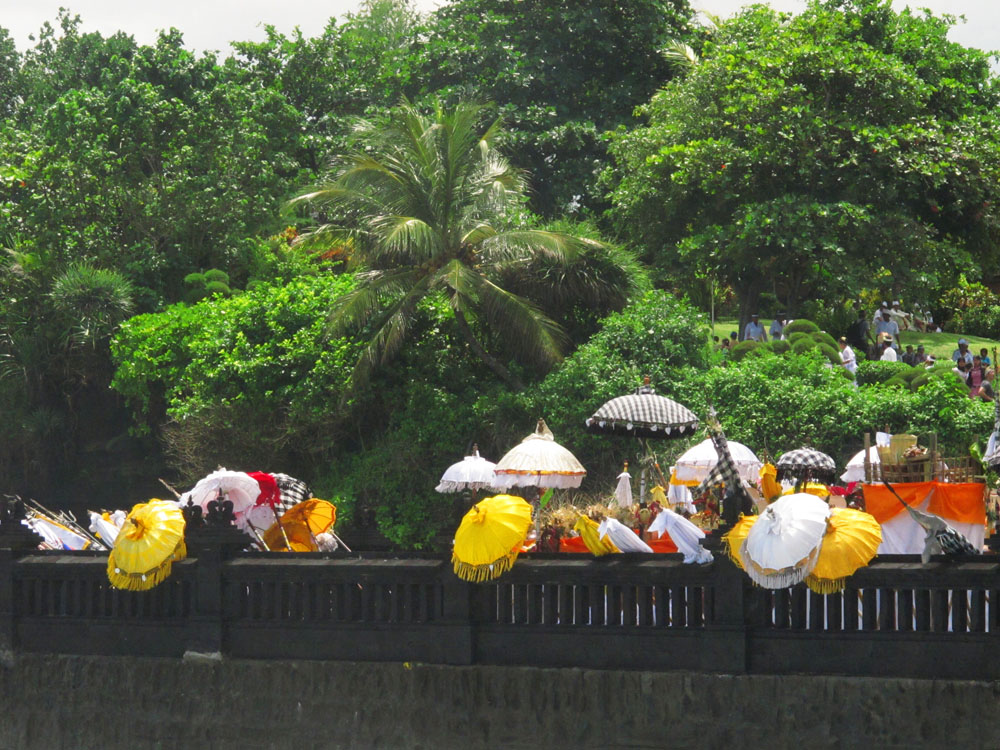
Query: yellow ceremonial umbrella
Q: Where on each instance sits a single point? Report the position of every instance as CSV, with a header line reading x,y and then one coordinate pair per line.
x,y
737,535
489,537
818,489
149,541
598,546
769,486
303,521
850,542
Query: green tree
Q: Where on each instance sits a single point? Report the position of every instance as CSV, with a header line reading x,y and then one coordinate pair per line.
x,y
808,153
427,203
560,73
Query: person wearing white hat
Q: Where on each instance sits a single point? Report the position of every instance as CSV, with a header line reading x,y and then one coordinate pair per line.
x,y
754,330
878,313
888,353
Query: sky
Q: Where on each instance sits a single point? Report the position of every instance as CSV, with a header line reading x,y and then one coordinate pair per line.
x,y
212,24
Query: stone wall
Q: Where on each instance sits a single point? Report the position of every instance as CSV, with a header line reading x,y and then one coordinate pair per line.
x,y
77,702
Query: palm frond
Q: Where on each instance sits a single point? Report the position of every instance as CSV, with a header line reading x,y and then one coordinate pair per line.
x,y
389,338
528,243
374,290
679,55
524,327
478,233
405,236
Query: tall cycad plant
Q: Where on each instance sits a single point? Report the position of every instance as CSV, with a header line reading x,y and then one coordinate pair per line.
x,y
426,205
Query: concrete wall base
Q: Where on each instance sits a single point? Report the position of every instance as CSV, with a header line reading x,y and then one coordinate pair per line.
x,y
83,702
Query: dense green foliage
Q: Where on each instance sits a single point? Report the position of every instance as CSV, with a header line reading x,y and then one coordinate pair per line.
x,y
791,163
428,205
561,74
816,153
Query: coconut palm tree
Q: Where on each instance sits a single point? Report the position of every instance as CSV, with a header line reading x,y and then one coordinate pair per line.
x,y
427,206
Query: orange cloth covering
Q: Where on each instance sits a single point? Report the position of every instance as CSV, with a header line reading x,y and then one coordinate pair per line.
x,y
964,502
575,544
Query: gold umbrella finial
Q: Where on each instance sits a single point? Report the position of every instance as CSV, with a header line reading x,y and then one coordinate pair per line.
x,y
542,430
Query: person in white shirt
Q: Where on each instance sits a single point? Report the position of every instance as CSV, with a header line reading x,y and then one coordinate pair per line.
x,y
962,352
847,358
777,326
754,331
888,353
888,327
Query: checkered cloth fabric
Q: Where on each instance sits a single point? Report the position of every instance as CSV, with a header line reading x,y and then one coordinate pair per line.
x,y
643,415
954,543
724,472
806,463
293,491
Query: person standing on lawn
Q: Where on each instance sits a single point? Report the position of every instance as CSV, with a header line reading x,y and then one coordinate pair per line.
x,y
754,331
888,327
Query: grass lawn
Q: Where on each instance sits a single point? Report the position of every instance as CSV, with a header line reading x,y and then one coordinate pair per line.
x,y
939,345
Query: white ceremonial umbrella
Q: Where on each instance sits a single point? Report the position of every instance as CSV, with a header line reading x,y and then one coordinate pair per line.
x,y
538,461
855,470
684,534
623,492
471,473
239,487
782,546
696,462
622,536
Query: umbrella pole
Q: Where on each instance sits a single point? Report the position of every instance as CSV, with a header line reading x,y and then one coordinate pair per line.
x,y
177,495
339,541
277,520
260,539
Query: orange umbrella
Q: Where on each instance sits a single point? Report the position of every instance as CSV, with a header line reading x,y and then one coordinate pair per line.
x,y
301,524
300,538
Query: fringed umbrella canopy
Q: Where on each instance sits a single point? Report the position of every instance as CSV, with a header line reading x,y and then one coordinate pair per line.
x,y
150,540
807,463
851,541
643,415
489,537
538,461
239,488
471,473
782,546
737,536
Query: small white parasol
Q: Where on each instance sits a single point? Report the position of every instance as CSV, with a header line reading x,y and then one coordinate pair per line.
x,y
471,473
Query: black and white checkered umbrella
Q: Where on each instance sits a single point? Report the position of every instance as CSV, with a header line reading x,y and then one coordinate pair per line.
x,y
292,490
643,415
806,463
